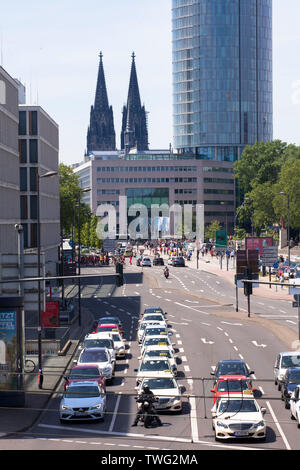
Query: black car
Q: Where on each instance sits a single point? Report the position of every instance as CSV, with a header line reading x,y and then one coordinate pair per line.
x,y
290,380
232,367
158,262
178,261
154,310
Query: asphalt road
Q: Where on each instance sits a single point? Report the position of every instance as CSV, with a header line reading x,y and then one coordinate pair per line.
x,y
206,329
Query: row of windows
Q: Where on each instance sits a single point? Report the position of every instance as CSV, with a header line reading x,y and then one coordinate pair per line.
x,y
28,123
185,191
217,168
126,169
33,206
146,180
30,235
108,191
218,203
181,202
218,191
33,176
33,151
218,180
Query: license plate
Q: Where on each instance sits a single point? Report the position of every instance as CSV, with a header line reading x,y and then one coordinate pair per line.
x,y
80,413
241,433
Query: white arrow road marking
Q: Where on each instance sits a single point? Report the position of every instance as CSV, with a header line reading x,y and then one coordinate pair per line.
x,y
259,345
206,342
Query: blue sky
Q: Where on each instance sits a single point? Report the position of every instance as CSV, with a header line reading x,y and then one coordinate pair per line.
x,y
52,46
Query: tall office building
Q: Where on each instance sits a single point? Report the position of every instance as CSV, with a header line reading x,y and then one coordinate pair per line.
x,y
222,76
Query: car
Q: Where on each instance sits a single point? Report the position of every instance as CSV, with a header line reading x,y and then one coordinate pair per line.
x,y
283,361
84,400
109,320
84,372
153,367
108,327
158,262
144,324
238,417
146,262
288,384
295,404
231,384
170,262
157,341
159,352
168,392
99,340
232,367
154,317
119,343
155,330
102,358
153,310
178,261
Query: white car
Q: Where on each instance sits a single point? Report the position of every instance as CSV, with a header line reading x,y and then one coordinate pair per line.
x,y
284,360
154,317
168,392
295,405
157,341
101,357
83,401
160,352
153,368
238,417
119,343
156,330
145,324
146,262
99,340
170,261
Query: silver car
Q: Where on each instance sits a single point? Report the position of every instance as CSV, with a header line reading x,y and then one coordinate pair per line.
x,y
83,401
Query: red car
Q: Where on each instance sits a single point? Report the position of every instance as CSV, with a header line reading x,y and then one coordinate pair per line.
x,y
107,328
231,384
85,372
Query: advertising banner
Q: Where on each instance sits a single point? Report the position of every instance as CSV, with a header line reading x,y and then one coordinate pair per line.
x,y
258,243
50,318
8,349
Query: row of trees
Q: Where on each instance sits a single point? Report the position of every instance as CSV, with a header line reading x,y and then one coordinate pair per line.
x,y
69,210
266,170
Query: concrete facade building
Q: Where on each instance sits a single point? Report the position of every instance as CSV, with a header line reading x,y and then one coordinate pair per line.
x,y
38,153
9,163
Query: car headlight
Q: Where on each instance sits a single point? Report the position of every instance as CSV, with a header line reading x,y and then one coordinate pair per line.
x,y
97,407
259,424
280,376
107,369
65,407
221,424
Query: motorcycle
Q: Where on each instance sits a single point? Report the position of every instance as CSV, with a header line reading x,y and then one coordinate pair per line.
x,y
147,416
166,273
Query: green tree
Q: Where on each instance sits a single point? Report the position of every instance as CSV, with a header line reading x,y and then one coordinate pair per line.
x,y
213,227
289,183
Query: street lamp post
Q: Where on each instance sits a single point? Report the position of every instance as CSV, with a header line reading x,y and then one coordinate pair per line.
x,y
85,190
288,229
45,175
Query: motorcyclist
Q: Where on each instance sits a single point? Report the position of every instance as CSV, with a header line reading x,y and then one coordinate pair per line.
x,y
166,270
146,395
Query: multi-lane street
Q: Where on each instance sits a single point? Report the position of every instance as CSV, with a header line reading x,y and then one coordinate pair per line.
x,y
205,328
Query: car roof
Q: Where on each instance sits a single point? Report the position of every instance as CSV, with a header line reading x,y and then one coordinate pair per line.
x,y
107,324
95,349
232,377
290,353
84,383
85,366
225,361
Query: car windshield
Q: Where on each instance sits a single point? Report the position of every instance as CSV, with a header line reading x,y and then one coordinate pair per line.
x,y
89,355
294,376
155,365
154,318
155,331
160,383
108,320
98,343
233,386
232,369
234,406
107,328
157,341
290,361
82,392
158,353
153,310
87,372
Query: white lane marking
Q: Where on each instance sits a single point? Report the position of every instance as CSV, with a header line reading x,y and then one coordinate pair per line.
x,y
114,414
194,424
259,345
187,369
184,359
241,357
279,427
206,342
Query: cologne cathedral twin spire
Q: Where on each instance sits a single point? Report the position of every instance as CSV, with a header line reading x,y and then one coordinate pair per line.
x,y
101,133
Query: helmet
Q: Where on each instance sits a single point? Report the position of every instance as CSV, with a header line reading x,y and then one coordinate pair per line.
x,y
146,388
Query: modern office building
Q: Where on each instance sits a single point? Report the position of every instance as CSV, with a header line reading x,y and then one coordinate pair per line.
x,y
9,163
38,155
222,76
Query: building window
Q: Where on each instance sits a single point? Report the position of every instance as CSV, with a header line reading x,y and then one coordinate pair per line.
x,y
33,235
33,151
24,207
32,122
23,179
23,150
33,179
33,207
22,123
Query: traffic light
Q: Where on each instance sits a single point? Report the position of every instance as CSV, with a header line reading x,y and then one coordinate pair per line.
x,y
119,277
247,285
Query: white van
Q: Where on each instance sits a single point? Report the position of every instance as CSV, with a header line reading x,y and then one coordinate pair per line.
x,y
284,360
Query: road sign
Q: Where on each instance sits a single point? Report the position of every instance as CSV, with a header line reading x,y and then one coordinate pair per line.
x,y
109,245
269,255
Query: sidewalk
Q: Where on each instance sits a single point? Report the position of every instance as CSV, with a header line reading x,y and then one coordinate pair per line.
x,y
17,420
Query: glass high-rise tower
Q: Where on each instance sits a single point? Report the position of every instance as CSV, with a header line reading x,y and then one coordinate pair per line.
x,y
222,76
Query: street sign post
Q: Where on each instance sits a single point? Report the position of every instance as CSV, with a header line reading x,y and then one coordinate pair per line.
x,y
269,258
